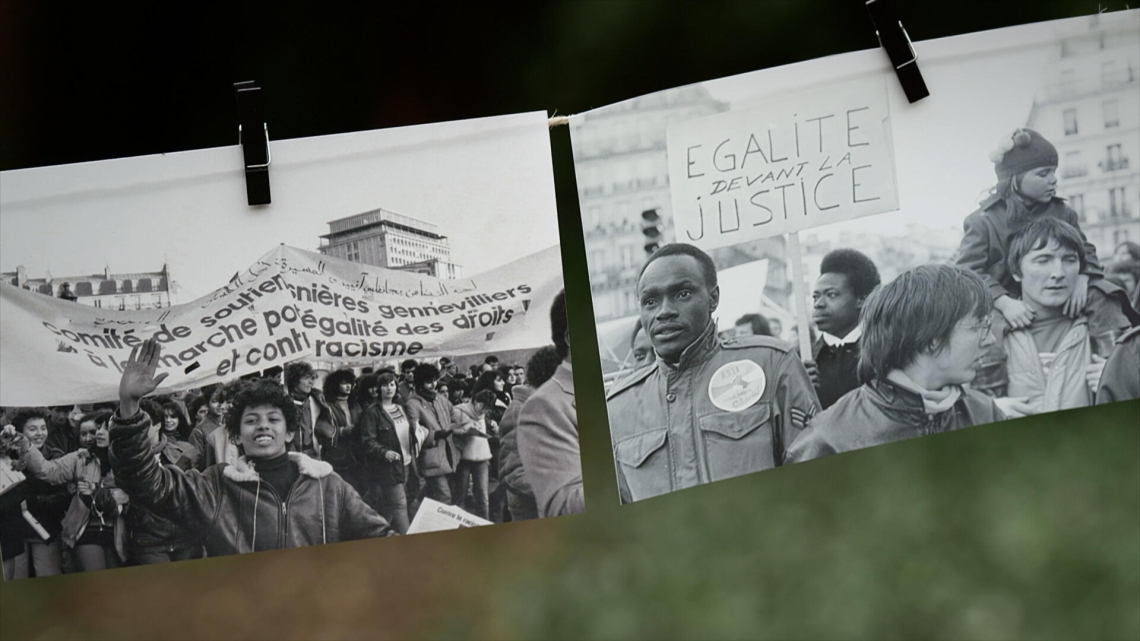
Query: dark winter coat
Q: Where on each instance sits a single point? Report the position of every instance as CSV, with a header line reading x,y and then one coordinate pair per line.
x,y
230,510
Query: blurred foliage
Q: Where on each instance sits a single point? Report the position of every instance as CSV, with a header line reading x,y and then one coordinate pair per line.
x,y
1029,529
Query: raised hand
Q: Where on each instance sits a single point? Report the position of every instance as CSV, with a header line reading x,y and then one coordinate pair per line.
x,y
139,377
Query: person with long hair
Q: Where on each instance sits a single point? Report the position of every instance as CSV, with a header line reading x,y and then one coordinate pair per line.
x,y
390,446
173,438
471,432
493,380
215,404
335,428
366,392
269,499
1026,190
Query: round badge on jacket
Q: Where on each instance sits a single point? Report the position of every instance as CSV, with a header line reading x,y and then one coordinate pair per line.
x,y
736,385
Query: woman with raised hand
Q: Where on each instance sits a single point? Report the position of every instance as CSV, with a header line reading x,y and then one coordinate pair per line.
x,y
269,499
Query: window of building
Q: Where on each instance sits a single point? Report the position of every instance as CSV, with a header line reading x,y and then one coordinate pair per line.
x,y
1077,202
1074,166
1108,76
107,287
623,212
1070,118
144,285
122,303
1117,205
83,289
1115,158
128,287
1111,113
97,303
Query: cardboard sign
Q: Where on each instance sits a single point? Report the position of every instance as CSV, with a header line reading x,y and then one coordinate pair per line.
x,y
817,158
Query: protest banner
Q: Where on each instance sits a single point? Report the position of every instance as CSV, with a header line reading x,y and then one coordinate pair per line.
x,y
289,304
434,516
816,158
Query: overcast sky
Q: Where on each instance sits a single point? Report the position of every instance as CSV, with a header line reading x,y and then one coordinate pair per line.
x,y
487,183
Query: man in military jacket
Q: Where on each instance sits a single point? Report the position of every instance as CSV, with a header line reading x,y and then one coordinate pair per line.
x,y
709,409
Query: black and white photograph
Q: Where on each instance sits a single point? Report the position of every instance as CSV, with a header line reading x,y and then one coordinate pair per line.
x,y
382,350
797,262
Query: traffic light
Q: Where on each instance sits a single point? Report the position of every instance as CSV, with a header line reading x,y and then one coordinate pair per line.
x,y
651,229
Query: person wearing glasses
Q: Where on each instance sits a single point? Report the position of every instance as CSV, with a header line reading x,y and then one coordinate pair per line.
x,y
1051,363
924,335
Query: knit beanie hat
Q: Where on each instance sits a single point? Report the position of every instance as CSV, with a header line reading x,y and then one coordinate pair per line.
x,y
1023,150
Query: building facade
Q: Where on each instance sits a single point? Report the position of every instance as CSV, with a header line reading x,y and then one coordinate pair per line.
x,y
144,290
386,239
621,162
1090,109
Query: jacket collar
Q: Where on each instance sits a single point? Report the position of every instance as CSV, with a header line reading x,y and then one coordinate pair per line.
x,y
242,470
697,352
564,377
835,341
520,393
897,401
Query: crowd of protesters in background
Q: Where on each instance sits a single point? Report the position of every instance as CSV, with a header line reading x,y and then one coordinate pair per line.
x,y
284,458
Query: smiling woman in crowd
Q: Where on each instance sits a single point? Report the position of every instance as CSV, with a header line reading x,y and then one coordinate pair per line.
x,y
269,499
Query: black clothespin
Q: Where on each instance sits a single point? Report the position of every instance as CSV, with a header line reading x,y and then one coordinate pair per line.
x,y
253,136
893,37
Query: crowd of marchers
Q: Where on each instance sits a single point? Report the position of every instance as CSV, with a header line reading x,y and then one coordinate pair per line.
x,y
284,459
1025,320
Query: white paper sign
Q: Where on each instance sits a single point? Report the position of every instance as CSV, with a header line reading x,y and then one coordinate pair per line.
x,y
434,516
813,159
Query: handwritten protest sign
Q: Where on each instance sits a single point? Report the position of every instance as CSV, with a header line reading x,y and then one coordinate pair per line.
x,y
813,159
290,304
434,516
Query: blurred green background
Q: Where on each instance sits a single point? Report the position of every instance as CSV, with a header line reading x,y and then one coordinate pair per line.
x,y
1028,529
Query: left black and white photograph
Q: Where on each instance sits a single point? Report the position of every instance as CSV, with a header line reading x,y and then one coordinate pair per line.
x,y
381,351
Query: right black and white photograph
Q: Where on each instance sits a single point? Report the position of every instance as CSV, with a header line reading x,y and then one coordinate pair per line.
x,y
797,262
